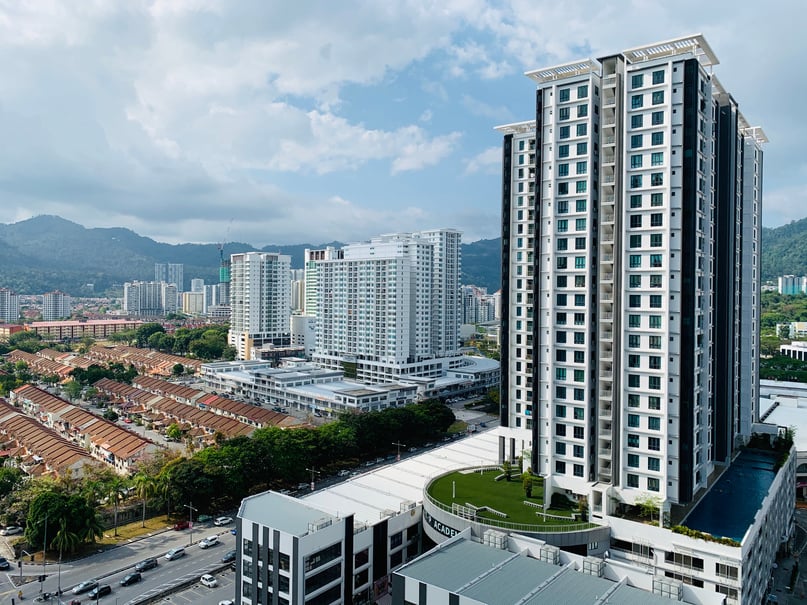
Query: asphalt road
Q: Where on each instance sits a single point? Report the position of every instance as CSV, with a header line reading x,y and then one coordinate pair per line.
x,y
109,567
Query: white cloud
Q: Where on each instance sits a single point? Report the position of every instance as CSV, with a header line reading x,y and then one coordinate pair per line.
x,y
488,161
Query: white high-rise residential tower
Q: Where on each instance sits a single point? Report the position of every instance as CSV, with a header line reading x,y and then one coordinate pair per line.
x,y
630,259
9,306
56,305
172,273
260,301
389,308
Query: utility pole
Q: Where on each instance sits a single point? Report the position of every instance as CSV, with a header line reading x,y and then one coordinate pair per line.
x,y
313,472
190,523
400,445
44,556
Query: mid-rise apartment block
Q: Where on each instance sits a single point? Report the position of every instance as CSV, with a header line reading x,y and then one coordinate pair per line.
x,y
791,285
9,306
260,301
631,224
389,308
56,305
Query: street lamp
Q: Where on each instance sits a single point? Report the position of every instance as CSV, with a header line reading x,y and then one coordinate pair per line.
x,y
400,445
190,523
44,555
313,472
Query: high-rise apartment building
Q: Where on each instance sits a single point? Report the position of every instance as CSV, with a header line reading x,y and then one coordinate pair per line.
x,y
56,305
389,308
149,299
630,288
172,273
260,301
9,306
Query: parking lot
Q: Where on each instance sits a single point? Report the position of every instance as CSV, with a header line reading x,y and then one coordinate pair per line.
x,y
202,595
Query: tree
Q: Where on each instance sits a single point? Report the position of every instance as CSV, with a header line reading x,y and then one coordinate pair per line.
x,y
111,415
173,432
145,488
72,389
143,333
178,369
115,490
65,539
508,470
526,483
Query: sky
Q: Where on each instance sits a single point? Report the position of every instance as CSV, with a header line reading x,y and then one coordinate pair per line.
x,y
277,122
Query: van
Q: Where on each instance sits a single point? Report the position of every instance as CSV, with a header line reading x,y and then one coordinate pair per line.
x,y
174,553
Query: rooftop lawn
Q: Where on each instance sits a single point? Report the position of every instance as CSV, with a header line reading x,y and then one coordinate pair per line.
x,y
482,489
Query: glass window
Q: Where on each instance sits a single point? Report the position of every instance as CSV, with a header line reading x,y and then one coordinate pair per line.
x,y
633,480
579,262
580,206
636,141
636,200
658,77
654,443
582,148
637,80
579,414
579,395
635,181
634,381
634,321
635,281
655,342
578,469
633,460
579,300
580,357
657,158
580,224
560,319
563,95
563,206
652,484
560,281
633,400
654,362
635,261
560,411
560,448
654,424
634,301
563,133
579,432
658,97
582,110
655,240
582,91
656,220
636,160
636,120
636,101
655,301
563,170
656,179
635,221
563,188
560,467
562,243
635,241
579,338
581,187
655,261
582,130
562,262
657,118
634,341
655,321
560,337
563,113
656,199
657,138
560,373
582,167
633,420
579,244
655,281
654,402
563,151
633,440
654,383
563,225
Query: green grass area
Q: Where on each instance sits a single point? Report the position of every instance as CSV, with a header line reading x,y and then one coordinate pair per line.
x,y
482,489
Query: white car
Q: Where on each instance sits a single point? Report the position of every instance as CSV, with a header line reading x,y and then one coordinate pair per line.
x,y
208,542
219,521
11,530
209,581
227,602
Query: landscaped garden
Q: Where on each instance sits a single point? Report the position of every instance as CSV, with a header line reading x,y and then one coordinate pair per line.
x,y
480,494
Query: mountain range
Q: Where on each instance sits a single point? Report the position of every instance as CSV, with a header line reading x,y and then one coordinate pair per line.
x,y
48,253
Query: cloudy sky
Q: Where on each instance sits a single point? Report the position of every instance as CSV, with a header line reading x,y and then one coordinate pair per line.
x,y
271,121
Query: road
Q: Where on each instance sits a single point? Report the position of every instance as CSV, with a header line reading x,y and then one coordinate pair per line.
x,y
110,566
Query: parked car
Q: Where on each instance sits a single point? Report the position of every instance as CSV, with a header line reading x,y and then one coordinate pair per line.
x,y
4,564
228,556
219,521
343,473
85,586
208,542
146,564
175,553
99,591
209,581
227,602
181,525
11,530
131,578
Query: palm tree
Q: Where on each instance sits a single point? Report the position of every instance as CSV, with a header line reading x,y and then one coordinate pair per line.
x,y
65,538
146,487
115,490
91,527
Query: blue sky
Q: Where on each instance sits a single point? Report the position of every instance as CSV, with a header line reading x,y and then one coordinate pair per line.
x,y
272,122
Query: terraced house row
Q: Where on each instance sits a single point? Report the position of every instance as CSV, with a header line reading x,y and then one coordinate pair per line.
x,y
69,425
